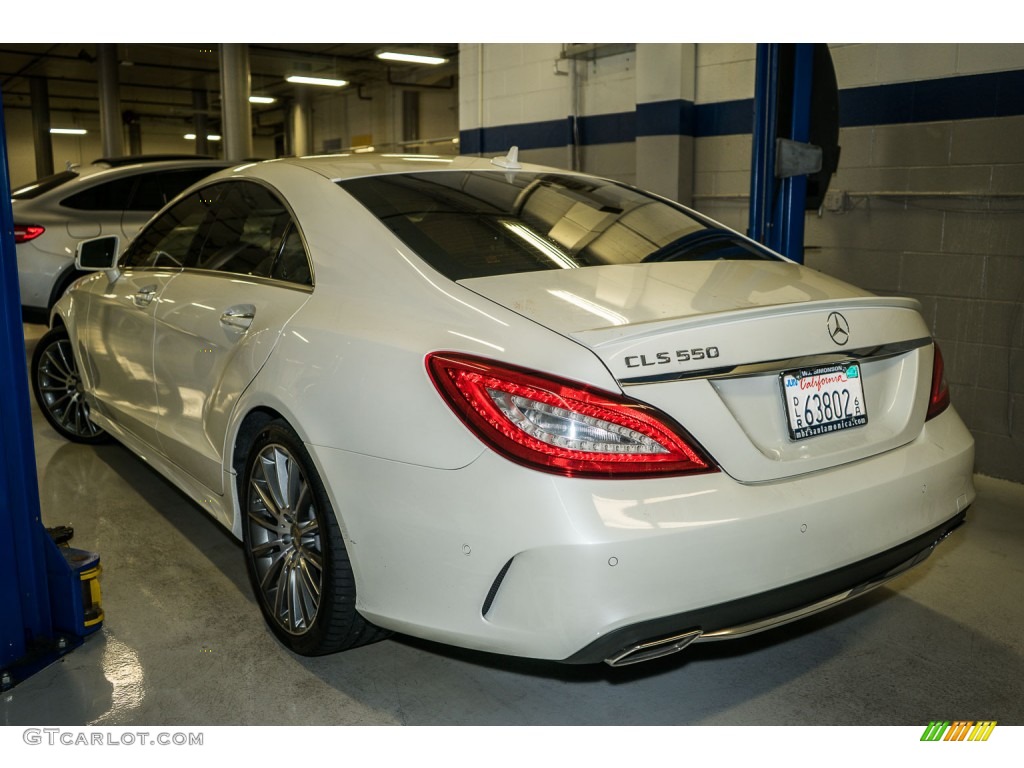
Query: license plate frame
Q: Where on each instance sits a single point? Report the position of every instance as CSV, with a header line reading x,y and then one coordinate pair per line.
x,y
823,399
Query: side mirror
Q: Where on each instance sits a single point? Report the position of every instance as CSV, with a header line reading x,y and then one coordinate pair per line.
x,y
99,254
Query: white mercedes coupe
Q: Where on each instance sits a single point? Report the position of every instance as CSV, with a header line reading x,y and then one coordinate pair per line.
x,y
508,407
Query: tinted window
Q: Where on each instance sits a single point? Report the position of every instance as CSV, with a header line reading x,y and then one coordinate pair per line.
x,y
236,226
39,186
109,196
477,224
292,264
173,238
247,233
156,189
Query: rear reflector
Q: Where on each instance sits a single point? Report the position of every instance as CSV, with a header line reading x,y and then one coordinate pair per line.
x,y
938,399
562,427
25,232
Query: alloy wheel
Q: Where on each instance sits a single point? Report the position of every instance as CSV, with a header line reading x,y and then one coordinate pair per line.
x,y
284,539
60,390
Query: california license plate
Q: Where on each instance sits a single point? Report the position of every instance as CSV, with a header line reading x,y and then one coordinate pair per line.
x,y
824,400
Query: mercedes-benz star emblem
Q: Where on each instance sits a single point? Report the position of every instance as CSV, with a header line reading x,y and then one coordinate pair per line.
x,y
838,328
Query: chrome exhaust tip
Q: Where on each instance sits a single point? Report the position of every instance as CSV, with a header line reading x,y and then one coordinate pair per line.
x,y
652,649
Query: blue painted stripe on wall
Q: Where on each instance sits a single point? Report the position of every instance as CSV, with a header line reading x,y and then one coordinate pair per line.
x,y
996,94
608,129
666,118
724,118
551,133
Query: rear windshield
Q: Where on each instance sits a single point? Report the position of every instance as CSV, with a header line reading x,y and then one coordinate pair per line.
x,y
45,184
481,223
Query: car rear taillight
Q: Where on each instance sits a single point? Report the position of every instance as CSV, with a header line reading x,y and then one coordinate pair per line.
x,y
562,427
25,232
938,398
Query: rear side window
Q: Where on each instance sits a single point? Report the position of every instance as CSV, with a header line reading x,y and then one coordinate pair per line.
x,y
247,232
157,189
471,224
45,184
110,195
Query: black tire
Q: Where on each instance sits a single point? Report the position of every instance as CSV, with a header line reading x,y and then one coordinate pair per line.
x,y
294,553
57,387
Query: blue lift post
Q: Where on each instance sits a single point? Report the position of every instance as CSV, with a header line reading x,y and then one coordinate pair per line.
x,y
44,594
777,205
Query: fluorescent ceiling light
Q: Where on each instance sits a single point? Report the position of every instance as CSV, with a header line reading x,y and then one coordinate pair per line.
x,y
70,131
410,58
316,81
262,99
363,150
209,137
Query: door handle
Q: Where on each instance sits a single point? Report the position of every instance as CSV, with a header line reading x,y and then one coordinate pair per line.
x,y
144,296
239,317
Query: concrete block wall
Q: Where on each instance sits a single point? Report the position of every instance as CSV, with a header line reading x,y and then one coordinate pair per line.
x,y
932,166
935,210
623,115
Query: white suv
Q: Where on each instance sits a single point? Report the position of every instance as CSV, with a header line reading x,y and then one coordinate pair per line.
x,y
111,196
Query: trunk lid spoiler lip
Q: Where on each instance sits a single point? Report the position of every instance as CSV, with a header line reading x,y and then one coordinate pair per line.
x,y
597,338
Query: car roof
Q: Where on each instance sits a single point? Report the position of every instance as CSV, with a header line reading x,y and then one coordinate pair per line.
x,y
114,162
156,162
349,166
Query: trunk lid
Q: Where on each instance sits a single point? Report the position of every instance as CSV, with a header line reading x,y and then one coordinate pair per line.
x,y
708,342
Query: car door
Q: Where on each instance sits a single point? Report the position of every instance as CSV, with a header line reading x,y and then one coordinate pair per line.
x,y
217,322
118,339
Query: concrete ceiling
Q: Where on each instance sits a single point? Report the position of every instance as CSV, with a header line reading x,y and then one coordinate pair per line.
x,y
158,80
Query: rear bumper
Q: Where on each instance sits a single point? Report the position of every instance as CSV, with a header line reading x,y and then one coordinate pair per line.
x,y
499,558
757,613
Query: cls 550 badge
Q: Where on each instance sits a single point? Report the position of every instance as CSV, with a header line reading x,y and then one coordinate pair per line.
x,y
679,356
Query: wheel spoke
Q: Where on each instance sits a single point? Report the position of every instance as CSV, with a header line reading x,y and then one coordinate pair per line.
x,y
269,503
296,486
314,559
310,580
308,596
284,596
268,547
299,616
63,349
57,401
275,578
59,365
275,470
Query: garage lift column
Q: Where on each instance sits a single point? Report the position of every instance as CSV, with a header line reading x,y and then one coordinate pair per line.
x,y
665,92
234,101
42,595
111,131
779,168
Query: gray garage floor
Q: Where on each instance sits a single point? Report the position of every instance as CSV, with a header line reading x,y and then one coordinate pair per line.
x,y
183,642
